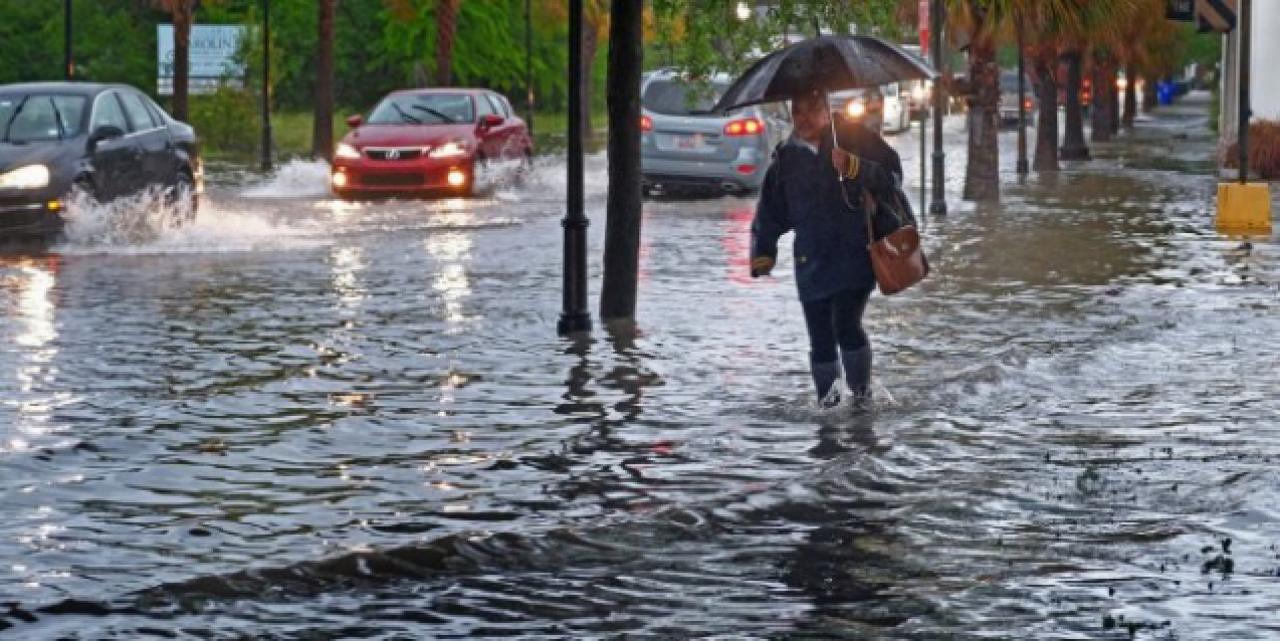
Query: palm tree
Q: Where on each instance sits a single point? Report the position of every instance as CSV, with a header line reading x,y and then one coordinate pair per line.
x,y
183,13
322,128
446,30
978,22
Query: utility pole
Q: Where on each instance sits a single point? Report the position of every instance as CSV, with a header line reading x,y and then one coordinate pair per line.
x,y
939,205
67,67
1022,99
574,317
266,85
1245,113
528,65
620,289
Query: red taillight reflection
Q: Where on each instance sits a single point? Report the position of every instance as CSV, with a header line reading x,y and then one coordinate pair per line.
x,y
1027,104
744,127
646,123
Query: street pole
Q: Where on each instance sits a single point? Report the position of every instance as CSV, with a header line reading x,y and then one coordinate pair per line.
x,y
939,205
1242,142
66,40
266,85
528,65
924,154
1023,166
574,317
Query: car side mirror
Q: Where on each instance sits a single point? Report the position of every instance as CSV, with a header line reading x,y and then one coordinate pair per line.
x,y
489,121
355,121
105,132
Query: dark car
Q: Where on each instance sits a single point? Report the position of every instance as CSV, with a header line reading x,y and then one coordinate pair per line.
x,y
108,140
427,141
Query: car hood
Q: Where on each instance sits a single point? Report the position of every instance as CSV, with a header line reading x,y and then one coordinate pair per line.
x,y
46,152
408,135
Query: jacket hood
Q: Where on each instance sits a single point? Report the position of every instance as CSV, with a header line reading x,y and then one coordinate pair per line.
x,y
44,152
408,135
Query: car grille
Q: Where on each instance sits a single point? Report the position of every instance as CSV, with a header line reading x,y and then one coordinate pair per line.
x,y
393,154
392,180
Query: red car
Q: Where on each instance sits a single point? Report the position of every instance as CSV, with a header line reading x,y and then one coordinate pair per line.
x,y
427,141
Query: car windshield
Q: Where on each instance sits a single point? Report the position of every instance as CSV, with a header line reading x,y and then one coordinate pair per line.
x,y
423,109
34,117
681,99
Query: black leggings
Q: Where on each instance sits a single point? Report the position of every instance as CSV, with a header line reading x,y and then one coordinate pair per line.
x,y
836,320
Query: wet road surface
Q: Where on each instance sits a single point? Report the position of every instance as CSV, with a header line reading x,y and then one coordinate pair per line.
x,y
308,419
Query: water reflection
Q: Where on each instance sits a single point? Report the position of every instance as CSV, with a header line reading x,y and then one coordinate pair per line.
x,y
30,284
347,263
452,253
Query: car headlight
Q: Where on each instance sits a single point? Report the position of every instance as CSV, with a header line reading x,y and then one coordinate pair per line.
x,y
29,177
451,149
856,109
346,151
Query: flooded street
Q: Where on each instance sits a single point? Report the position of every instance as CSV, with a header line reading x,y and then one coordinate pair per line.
x,y
302,418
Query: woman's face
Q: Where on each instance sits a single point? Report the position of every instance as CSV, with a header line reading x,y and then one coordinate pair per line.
x,y
809,116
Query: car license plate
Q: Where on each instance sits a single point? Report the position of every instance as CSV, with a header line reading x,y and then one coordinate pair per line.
x,y
684,142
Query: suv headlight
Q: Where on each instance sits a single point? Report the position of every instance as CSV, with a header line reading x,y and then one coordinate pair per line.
x,y
346,151
29,177
857,108
451,149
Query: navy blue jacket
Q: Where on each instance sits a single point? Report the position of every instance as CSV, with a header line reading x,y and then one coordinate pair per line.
x,y
802,193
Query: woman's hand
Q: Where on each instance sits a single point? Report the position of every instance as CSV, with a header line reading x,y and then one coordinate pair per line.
x,y
844,162
761,266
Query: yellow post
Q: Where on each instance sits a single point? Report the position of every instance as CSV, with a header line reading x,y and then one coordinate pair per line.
x,y
1244,207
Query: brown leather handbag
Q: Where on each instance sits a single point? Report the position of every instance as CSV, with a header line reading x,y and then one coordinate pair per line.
x,y
897,258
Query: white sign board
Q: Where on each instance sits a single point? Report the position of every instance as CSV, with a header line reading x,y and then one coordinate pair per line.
x,y
212,57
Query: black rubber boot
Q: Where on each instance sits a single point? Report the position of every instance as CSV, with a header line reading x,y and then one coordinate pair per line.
x,y
824,377
857,371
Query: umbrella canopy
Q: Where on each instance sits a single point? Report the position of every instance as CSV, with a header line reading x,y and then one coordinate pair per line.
x,y
824,63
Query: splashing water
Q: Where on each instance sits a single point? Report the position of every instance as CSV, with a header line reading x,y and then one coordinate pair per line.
x,y
151,222
294,179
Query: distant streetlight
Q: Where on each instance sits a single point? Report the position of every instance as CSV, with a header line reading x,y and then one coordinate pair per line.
x,y
744,11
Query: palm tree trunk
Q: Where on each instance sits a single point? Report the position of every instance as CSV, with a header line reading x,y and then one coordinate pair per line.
x,y
1046,158
322,128
624,207
183,17
1073,145
982,170
1148,95
446,28
1130,97
590,44
1100,116
1113,97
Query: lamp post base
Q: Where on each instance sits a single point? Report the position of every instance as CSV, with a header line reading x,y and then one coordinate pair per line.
x,y
575,323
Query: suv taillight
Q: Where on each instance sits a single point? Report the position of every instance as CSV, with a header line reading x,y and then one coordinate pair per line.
x,y
646,123
744,127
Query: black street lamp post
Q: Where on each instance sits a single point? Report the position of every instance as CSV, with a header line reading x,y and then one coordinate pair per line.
x,y
939,205
266,85
574,318
1022,101
67,67
528,65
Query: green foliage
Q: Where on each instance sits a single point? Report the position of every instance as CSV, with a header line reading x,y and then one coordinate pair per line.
x,y
703,37
227,121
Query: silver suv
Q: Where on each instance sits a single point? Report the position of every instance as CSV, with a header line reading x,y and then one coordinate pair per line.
x,y
684,148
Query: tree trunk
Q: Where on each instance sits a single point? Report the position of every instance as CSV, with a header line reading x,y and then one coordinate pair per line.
x,y
322,127
590,43
446,28
1130,97
622,234
1073,145
1100,116
1149,101
982,169
183,17
1046,158
1113,98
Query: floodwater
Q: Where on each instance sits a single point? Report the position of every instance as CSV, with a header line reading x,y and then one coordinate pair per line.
x,y
300,418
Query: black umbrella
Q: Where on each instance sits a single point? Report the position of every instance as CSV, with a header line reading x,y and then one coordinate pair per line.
x,y
824,64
